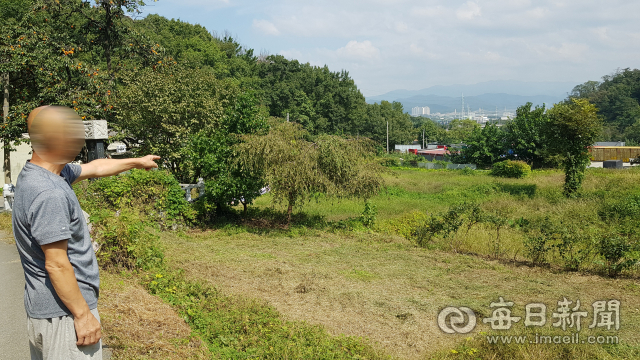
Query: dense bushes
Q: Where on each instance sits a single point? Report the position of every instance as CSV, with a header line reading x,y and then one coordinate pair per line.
x,y
511,169
572,245
122,207
156,194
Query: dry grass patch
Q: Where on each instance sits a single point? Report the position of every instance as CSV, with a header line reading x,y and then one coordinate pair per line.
x,y
387,291
6,229
137,325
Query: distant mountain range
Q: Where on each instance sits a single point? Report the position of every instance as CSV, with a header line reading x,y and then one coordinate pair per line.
x,y
487,95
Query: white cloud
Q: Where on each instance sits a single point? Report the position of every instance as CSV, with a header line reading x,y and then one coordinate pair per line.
x,y
419,43
428,12
538,13
291,54
266,27
573,52
355,50
469,11
402,27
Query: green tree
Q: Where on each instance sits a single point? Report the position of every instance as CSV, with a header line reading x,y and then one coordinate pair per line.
x,y
40,57
573,127
526,135
297,170
190,45
321,100
161,110
459,130
617,98
13,10
400,127
484,146
216,160
428,128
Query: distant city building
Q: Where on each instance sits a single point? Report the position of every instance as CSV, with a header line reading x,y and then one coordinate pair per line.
x,y
420,111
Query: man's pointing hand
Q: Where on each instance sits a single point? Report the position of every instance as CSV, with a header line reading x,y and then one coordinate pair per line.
x,y
147,162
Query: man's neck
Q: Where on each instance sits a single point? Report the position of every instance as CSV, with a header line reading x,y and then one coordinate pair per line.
x,y
54,168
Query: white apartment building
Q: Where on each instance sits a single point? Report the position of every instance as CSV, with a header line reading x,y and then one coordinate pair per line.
x,y
420,111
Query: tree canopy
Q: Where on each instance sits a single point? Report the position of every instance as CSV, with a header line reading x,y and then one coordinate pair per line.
x,y
617,98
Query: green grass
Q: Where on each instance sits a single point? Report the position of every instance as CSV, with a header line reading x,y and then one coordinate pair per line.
x,y
239,327
327,270
326,287
388,290
412,195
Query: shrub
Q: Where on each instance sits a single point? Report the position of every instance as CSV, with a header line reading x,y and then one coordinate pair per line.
x,y
511,169
573,243
618,253
404,225
390,162
448,223
156,194
620,209
537,248
121,209
368,216
124,241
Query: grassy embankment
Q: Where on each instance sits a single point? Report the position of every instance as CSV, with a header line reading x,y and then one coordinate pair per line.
x,y
377,284
135,324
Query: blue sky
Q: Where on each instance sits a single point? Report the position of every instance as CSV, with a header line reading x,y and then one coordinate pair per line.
x,y
411,44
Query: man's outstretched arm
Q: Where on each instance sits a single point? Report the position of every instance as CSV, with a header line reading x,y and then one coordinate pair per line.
x,y
109,167
63,279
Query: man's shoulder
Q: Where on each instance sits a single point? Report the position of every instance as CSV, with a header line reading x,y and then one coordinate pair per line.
x,y
34,182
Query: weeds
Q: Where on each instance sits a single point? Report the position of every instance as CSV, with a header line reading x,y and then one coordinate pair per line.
x,y
619,254
236,328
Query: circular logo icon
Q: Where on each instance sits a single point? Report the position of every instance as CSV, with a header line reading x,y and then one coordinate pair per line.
x,y
452,320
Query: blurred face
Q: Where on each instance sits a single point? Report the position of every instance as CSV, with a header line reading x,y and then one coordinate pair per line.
x,y
57,134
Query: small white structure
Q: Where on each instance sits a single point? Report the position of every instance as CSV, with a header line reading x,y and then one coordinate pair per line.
x,y
406,148
19,158
189,187
95,130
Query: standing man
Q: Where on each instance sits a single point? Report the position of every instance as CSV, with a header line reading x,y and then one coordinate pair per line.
x,y
60,267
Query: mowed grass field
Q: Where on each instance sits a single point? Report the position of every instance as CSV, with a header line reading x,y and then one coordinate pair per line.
x,y
376,283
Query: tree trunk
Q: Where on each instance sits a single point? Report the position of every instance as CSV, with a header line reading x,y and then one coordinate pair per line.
x,y
7,147
107,34
289,211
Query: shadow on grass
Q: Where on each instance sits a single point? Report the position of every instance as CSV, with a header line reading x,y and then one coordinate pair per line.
x,y
264,221
524,190
269,221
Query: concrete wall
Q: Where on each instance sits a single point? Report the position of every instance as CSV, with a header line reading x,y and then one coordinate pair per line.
x,y
18,159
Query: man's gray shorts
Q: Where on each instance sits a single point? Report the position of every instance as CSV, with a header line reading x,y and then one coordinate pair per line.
x,y
55,339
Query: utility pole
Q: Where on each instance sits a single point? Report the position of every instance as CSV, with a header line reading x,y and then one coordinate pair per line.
x,y
387,137
5,114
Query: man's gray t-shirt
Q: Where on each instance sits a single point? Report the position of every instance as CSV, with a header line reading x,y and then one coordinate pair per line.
x,y
46,210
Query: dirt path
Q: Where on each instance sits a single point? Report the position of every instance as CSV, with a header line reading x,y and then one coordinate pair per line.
x,y
13,336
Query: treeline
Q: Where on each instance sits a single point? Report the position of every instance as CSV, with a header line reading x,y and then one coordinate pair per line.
x,y
174,89
617,98
74,52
